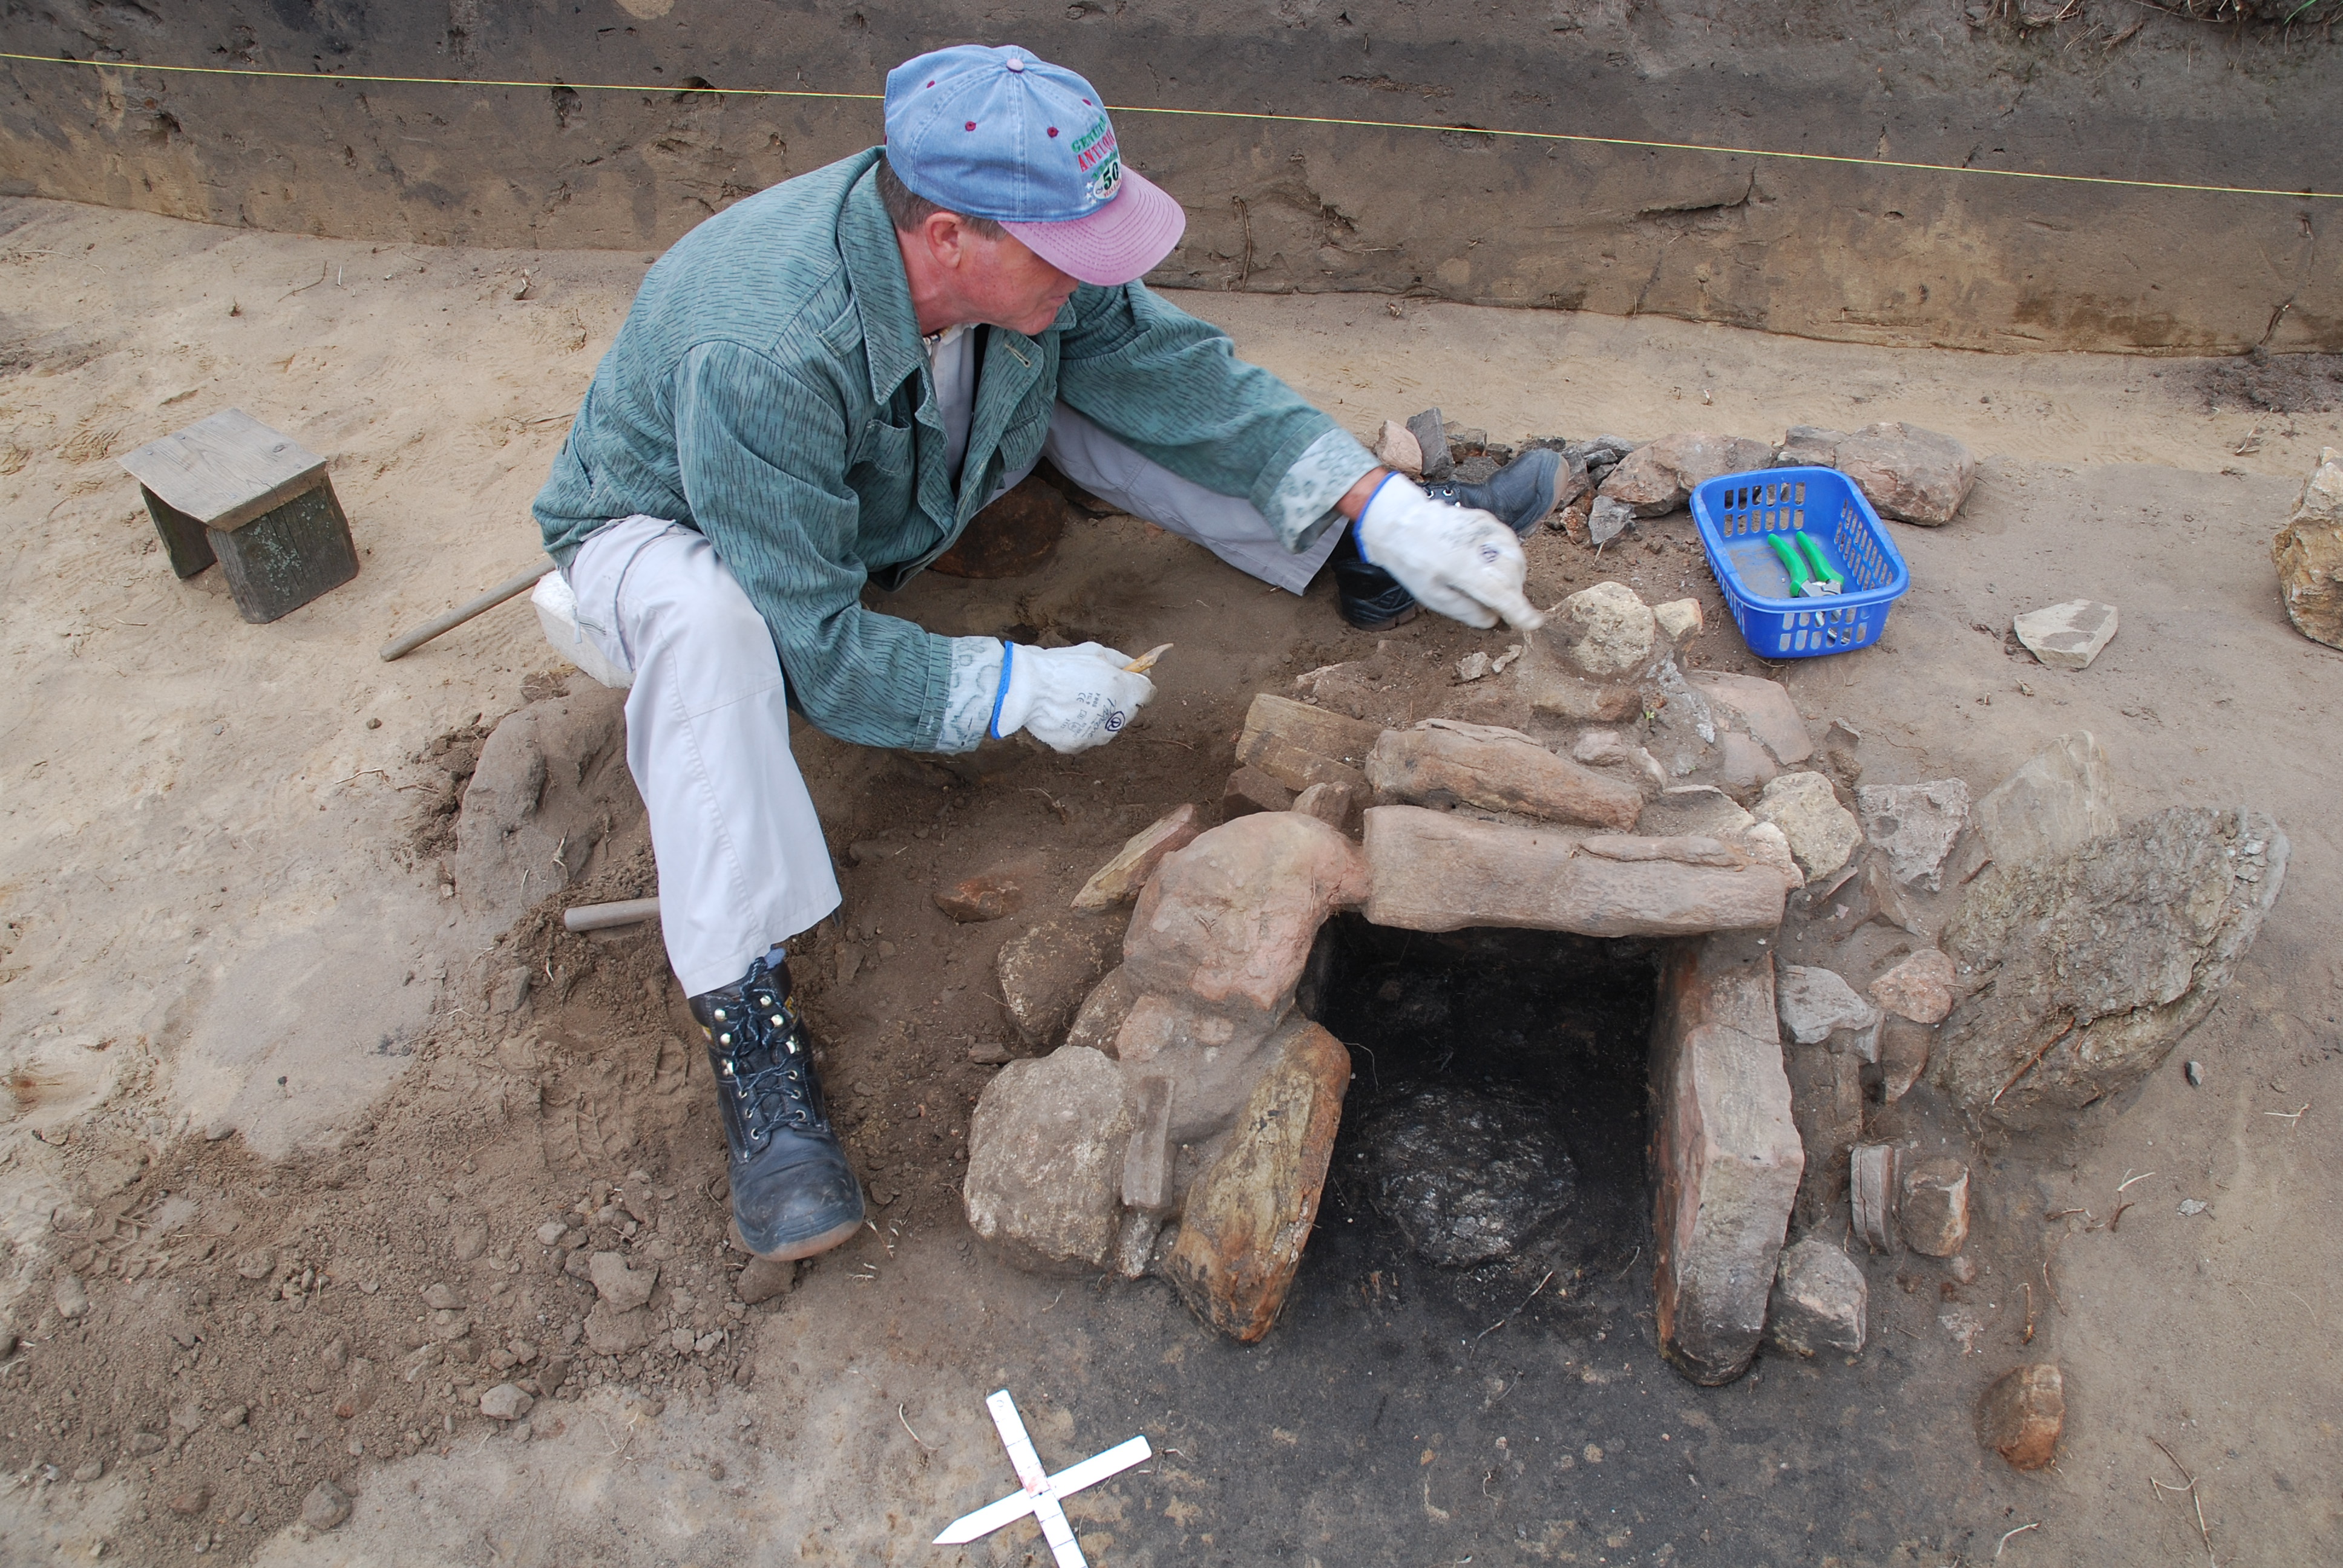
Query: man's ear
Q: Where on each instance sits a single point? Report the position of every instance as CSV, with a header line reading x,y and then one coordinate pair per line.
x,y
946,238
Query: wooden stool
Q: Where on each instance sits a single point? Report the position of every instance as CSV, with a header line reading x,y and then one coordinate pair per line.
x,y
229,488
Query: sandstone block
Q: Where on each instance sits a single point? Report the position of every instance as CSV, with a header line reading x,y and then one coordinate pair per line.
x,y
1873,1171
1912,475
1212,1054
1919,988
1821,832
1333,804
1249,790
2061,800
1047,970
2022,1414
1045,1152
1230,919
1658,478
550,784
1727,1157
1933,1207
1826,1105
1432,871
1763,705
2309,552
2100,963
1443,763
1694,809
1118,880
1249,1214
1395,447
1100,1017
1914,824
1298,745
1820,1299
2067,635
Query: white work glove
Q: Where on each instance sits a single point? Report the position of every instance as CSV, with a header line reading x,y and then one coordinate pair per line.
x,y
1068,699
1460,561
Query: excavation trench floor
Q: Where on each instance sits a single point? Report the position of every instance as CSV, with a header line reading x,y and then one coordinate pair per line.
x,y
220,878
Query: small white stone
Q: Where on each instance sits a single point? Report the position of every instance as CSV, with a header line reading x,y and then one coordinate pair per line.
x,y
2067,635
550,1234
1679,617
506,1401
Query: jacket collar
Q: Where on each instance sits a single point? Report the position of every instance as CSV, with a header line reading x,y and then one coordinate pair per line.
x,y
882,293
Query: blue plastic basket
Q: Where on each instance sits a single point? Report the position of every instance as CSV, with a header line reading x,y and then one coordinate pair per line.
x,y
1736,512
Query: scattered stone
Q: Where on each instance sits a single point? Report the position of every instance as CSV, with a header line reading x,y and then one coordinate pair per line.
x,y
441,1298
1230,919
1816,1003
1693,810
1821,832
71,1296
1046,970
764,1279
1606,520
510,992
611,1333
986,895
256,1264
1444,763
551,1233
139,1443
1147,1159
1873,1172
2100,963
1764,706
1474,666
1396,446
1247,1216
2062,799
194,1500
1298,745
1657,479
1919,988
2022,1414
233,1416
1044,1159
1605,630
326,1507
1118,880
1808,447
2067,635
468,1243
1933,1211
1332,804
2194,1073
2309,552
1249,790
89,1469
1430,435
1820,1299
1912,475
1679,618
1467,1176
1903,1048
1915,826
622,1288
1100,1017
1726,1155
506,1401
1433,871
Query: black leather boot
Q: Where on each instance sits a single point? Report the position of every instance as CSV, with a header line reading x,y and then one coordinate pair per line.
x,y
793,1192
1518,495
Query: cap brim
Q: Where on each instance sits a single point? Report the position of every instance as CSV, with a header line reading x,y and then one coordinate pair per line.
x,y
1120,243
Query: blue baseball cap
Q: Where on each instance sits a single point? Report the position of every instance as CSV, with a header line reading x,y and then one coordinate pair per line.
x,y
999,134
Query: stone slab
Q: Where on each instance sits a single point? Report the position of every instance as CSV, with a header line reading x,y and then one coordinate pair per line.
x,y
1764,706
1118,880
1914,824
2059,799
2069,635
1045,1149
1445,764
1299,744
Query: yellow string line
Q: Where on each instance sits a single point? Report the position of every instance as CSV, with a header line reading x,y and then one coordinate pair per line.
x,y
1262,116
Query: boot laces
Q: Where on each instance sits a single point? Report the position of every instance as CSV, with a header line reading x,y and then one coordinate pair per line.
x,y
762,1057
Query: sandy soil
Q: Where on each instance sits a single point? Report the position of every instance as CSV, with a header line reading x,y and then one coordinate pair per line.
x,y
239,1016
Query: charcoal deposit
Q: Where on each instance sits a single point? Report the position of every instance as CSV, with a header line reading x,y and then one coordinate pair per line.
x,y
1468,1177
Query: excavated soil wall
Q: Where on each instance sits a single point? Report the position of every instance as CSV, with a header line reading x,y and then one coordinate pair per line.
x,y
1858,252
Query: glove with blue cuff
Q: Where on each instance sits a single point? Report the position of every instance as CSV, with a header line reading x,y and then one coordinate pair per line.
x,y
1462,562
1068,699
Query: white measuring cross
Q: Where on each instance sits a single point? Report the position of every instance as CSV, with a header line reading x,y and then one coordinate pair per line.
x,y
1041,1491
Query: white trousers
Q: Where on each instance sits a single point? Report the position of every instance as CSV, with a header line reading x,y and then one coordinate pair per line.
x,y
742,863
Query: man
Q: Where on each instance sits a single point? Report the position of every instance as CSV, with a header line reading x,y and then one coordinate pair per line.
x,y
818,388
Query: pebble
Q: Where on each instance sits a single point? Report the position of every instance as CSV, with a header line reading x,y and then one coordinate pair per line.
x,y
506,1401
468,1243
2196,1081
551,1232
441,1299
233,1416
326,1507
986,895
89,1469
2022,1414
194,1500
72,1296
764,1279
623,1288
255,1265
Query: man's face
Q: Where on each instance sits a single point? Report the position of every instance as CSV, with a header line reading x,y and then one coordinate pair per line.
x,y
1005,284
